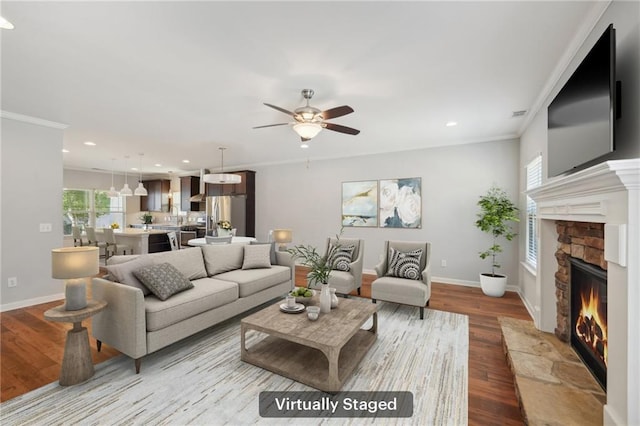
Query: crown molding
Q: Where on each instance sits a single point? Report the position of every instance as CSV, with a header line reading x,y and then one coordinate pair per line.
x,y
32,120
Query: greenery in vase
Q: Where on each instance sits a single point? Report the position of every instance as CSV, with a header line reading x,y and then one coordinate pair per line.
x,y
319,265
147,218
496,211
225,224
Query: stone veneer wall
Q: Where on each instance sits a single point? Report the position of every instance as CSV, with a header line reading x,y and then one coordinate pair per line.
x,y
581,240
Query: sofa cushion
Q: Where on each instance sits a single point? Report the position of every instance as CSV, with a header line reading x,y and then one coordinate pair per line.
x,y
404,264
188,261
272,251
123,272
256,256
252,281
206,294
219,258
164,280
341,257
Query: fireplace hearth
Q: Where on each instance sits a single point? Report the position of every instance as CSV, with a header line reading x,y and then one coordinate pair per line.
x,y
589,317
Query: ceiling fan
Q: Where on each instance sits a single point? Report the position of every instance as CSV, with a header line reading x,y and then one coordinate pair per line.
x,y
309,121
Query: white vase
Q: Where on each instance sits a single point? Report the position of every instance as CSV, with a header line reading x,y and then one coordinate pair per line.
x,y
223,232
493,286
334,298
325,299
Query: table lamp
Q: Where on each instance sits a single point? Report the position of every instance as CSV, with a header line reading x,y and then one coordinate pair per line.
x,y
74,265
282,237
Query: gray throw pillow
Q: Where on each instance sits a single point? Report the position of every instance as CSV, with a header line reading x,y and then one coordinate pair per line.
x,y
341,257
124,272
272,251
404,264
256,256
163,279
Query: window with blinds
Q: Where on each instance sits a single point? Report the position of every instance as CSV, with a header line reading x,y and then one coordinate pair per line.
x,y
534,179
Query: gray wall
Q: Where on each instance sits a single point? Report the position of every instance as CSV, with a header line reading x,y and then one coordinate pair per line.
x,y
31,184
307,199
625,18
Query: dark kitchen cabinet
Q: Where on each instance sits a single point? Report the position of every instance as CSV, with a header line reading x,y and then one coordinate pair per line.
x,y
157,199
245,189
190,186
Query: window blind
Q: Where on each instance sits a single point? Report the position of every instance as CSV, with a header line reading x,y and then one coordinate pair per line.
x,y
534,179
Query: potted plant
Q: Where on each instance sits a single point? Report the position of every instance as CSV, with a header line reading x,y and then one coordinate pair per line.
x,y
147,219
496,213
224,228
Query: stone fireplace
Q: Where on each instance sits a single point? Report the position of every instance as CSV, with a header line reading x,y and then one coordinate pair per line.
x,y
602,200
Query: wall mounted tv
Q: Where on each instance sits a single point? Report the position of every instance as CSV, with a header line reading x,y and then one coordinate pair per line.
x,y
581,118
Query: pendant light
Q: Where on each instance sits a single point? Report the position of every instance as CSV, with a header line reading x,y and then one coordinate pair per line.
x,y
126,191
140,190
222,177
112,191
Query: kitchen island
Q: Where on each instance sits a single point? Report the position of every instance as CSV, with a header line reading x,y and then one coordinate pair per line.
x,y
140,241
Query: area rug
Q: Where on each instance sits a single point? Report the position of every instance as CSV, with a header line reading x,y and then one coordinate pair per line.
x,y
202,381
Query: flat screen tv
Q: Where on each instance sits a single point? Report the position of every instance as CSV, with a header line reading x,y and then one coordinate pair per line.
x,y
581,118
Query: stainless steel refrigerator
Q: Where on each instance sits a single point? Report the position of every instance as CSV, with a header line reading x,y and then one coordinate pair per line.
x,y
226,207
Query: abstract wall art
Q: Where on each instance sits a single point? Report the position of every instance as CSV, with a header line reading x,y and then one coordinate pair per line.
x,y
400,203
360,203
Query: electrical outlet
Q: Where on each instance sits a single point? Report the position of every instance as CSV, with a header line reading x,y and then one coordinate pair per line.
x,y
46,227
443,263
12,282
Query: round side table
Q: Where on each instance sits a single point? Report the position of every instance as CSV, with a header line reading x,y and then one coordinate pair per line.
x,y
77,365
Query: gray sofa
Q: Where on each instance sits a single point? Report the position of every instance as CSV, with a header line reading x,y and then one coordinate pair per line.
x,y
226,282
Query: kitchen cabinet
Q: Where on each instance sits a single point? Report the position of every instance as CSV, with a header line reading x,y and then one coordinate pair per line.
x,y
157,199
190,186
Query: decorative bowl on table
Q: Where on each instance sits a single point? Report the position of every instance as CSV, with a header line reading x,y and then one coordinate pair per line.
x,y
303,295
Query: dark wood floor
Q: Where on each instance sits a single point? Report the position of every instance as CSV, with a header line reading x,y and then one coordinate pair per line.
x,y
32,348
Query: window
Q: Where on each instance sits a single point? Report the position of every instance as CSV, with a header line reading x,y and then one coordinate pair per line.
x,y
87,207
534,179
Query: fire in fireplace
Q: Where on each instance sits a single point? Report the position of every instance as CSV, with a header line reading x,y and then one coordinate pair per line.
x,y
589,316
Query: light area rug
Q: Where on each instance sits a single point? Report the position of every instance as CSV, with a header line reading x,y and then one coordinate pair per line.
x,y
202,381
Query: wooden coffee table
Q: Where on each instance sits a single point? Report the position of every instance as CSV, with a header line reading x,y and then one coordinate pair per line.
x,y
321,353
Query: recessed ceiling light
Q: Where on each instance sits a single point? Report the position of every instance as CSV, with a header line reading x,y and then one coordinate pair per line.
x,y
89,143
5,24
158,165
65,150
185,161
304,145
134,168
451,123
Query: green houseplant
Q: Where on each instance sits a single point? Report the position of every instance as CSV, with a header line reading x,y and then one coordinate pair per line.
x,y
497,212
319,265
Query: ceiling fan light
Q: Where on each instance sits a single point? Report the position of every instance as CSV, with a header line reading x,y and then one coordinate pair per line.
x,y
222,178
307,130
140,190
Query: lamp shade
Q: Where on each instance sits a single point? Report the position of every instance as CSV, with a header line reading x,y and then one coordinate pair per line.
x,y
222,178
74,262
307,130
282,235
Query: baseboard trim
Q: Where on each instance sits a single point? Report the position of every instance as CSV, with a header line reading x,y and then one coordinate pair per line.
x,y
30,302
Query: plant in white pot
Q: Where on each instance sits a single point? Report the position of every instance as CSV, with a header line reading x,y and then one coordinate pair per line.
x,y
497,212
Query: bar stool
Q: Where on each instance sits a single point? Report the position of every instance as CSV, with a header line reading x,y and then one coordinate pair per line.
x,y
113,247
77,237
93,241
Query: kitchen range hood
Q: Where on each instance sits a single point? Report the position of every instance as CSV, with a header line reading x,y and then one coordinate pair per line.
x,y
202,196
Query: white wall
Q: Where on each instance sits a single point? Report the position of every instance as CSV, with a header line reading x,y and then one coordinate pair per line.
x,y
31,182
307,199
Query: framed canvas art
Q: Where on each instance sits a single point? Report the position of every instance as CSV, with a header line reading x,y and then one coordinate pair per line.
x,y
360,203
400,203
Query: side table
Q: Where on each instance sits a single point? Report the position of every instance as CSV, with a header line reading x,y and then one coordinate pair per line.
x,y
77,365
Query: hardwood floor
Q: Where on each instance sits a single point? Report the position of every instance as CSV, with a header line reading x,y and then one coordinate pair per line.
x,y
32,348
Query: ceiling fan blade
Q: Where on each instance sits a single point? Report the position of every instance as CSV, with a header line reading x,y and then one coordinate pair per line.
x,y
281,109
341,129
271,125
336,112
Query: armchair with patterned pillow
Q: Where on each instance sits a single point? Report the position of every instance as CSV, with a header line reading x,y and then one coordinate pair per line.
x,y
404,274
346,264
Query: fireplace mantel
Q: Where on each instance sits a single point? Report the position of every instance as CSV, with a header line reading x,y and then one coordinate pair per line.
x,y
606,193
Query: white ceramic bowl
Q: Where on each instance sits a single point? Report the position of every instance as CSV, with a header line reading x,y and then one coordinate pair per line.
x,y
305,300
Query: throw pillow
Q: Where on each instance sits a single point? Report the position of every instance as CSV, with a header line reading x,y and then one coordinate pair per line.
x,y
404,264
272,252
124,272
256,256
341,257
163,279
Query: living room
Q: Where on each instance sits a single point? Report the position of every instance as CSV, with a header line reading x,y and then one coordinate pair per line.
x,y
305,196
